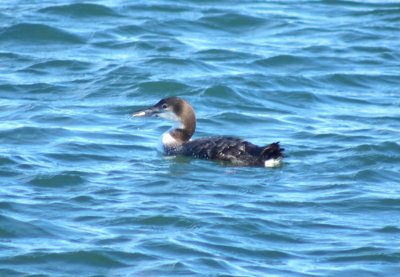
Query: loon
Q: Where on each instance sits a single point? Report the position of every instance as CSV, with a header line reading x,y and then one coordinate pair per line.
x,y
235,151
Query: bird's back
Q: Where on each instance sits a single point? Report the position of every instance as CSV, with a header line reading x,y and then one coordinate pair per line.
x,y
228,149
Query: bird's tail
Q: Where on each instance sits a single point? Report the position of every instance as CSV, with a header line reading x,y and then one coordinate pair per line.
x,y
271,153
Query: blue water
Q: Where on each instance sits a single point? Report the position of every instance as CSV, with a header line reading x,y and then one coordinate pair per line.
x,y
84,191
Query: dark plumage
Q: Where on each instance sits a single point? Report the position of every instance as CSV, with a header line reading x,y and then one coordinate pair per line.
x,y
226,149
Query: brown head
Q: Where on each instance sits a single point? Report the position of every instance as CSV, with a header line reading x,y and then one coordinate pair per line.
x,y
176,109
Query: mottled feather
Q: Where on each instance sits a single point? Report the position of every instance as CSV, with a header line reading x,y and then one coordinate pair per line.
x,y
228,149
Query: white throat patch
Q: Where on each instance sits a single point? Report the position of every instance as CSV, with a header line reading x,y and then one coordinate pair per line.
x,y
168,140
169,115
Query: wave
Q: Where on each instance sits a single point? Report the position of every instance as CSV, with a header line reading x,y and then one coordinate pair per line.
x,y
38,34
80,10
72,65
285,60
57,180
232,21
14,228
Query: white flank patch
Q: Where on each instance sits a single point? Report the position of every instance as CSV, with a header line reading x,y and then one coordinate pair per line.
x,y
273,162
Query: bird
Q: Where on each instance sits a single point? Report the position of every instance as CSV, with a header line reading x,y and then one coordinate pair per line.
x,y
228,149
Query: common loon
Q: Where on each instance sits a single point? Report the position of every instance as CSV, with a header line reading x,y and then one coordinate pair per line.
x,y
227,149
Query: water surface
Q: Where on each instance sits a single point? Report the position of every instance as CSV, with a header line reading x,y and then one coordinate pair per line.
x,y
84,191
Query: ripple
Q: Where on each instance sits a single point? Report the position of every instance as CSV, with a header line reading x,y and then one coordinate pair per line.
x,y
357,80
83,184
224,94
71,65
10,272
58,180
236,251
284,60
365,254
389,230
27,134
39,33
183,65
80,10
7,161
223,55
390,147
127,30
158,7
14,228
79,157
163,87
233,21
85,258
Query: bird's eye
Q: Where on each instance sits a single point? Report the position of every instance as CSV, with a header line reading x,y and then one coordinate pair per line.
x,y
164,106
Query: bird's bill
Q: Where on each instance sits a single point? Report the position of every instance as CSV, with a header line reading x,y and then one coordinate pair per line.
x,y
147,112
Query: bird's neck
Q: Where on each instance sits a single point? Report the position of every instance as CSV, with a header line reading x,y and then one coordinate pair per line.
x,y
187,126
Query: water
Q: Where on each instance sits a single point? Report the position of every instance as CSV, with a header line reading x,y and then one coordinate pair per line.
x,y
84,191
